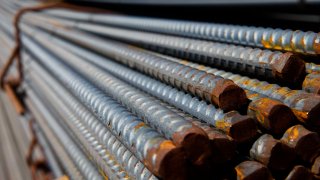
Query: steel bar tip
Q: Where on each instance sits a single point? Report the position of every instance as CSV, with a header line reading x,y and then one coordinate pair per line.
x,y
305,143
252,170
312,83
274,154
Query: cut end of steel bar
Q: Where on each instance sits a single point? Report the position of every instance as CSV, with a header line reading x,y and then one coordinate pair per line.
x,y
167,161
308,109
240,128
223,147
229,96
272,115
272,153
300,172
305,143
315,169
312,83
195,142
289,69
252,170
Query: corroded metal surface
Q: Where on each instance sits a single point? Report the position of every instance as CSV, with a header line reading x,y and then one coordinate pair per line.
x,y
312,83
299,138
252,170
299,172
306,106
273,153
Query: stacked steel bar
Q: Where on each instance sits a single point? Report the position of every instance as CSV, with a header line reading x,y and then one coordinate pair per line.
x,y
102,108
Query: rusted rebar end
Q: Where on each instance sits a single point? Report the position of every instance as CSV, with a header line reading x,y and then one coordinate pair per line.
x,y
312,83
252,170
299,172
289,68
167,161
228,96
272,153
223,147
272,115
305,143
240,128
308,109
315,169
195,142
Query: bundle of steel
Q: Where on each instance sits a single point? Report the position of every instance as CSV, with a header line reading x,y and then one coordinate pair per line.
x,y
99,108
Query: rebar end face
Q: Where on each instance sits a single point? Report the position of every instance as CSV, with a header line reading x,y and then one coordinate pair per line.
x,y
305,143
312,83
289,69
315,169
223,147
195,142
299,172
228,96
307,109
272,115
167,161
240,128
272,153
252,170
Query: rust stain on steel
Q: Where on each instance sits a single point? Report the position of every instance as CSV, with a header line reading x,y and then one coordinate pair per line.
x,y
222,147
272,115
252,170
195,142
273,153
289,69
167,160
312,83
240,128
300,172
225,92
305,143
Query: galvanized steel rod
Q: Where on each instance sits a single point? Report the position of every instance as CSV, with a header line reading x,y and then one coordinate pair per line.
x,y
157,152
122,154
285,68
80,159
279,39
171,125
214,89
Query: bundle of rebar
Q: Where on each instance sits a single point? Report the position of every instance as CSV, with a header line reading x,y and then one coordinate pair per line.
x,y
101,95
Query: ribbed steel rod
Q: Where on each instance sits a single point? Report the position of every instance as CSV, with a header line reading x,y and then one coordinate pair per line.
x,y
226,122
306,106
69,165
158,153
214,89
51,157
80,159
171,125
279,39
129,161
99,155
269,113
282,67
222,146
13,164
